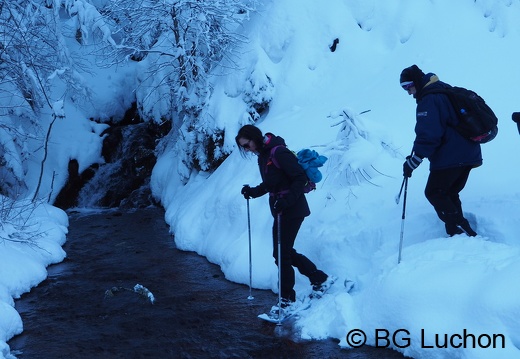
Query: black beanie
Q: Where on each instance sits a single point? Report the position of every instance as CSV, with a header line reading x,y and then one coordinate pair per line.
x,y
412,73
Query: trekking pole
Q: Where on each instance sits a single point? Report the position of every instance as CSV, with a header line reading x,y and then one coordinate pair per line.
x,y
405,183
279,230
398,197
250,297
405,179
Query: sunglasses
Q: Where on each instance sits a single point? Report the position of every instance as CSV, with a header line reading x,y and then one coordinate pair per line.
x,y
407,85
246,145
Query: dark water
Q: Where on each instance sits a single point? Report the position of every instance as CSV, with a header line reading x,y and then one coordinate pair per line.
x,y
197,313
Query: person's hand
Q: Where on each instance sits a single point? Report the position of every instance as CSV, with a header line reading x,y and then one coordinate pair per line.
x,y
246,191
280,204
411,163
251,192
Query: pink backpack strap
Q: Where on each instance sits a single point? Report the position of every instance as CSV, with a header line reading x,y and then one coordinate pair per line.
x,y
275,162
271,156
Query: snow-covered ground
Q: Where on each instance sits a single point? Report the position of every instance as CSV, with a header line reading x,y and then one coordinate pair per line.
x,y
24,258
453,297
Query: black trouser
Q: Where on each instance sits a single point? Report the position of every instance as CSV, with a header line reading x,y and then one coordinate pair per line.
x,y
442,191
290,258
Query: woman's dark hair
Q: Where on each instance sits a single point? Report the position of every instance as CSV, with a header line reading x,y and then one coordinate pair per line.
x,y
252,133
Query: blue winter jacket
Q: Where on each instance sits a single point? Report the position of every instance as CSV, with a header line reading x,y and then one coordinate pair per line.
x,y
436,138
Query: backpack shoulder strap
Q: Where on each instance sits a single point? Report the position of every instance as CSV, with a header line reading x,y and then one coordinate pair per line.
x,y
427,91
271,155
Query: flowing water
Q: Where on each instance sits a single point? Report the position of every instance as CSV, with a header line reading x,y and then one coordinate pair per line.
x,y
88,308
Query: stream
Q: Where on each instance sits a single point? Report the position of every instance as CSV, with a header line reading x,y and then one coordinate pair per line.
x,y
89,307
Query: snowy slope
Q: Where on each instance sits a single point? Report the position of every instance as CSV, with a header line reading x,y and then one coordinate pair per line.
x,y
444,287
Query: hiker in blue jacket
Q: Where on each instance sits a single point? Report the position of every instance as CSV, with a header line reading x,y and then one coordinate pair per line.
x,y
284,182
451,156
516,118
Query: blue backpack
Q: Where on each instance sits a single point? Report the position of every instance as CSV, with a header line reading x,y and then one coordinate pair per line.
x,y
310,160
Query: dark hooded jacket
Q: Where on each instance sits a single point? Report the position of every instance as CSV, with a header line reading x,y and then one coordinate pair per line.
x,y
436,138
287,181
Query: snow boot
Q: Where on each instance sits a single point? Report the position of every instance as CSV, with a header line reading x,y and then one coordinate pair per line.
x,y
464,225
460,227
318,290
455,223
288,308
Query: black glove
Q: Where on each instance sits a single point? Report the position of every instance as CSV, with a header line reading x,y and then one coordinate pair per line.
x,y
246,191
251,192
280,204
411,163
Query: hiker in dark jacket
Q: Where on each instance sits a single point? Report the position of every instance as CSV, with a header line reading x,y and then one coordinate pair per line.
x,y
451,155
516,118
284,179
